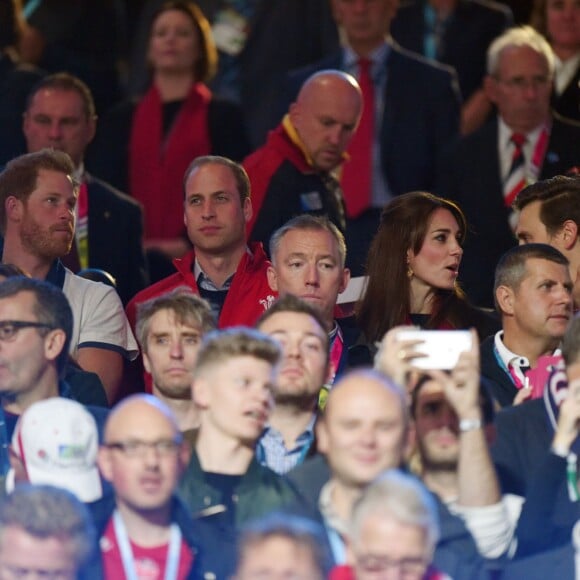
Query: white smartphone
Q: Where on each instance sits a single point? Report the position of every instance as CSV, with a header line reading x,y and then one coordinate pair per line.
x,y
440,347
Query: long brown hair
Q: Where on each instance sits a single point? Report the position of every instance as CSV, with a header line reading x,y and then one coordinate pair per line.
x,y
404,224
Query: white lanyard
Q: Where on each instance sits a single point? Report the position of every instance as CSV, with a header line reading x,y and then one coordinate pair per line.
x,y
173,553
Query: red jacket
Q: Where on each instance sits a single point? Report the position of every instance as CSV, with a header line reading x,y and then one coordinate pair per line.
x,y
248,297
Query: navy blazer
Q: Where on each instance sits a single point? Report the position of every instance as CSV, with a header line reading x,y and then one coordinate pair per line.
x,y
420,115
116,236
470,175
471,28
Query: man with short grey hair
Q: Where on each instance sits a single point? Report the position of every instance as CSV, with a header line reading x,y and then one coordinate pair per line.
x,y
525,142
394,524
45,532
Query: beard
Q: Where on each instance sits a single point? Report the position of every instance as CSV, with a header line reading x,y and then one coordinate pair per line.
x,y
432,462
42,242
302,400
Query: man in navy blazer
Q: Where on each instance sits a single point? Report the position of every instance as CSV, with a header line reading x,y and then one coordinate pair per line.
x,y
60,114
416,110
457,33
477,170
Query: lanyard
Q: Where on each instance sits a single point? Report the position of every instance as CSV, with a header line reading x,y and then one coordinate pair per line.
x,y
335,355
572,477
173,552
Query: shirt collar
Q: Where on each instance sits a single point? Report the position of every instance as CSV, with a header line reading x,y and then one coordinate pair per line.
x,y
506,355
79,172
202,278
378,56
304,436
505,134
327,510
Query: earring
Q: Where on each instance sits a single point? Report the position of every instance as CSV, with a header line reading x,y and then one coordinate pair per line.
x,y
410,272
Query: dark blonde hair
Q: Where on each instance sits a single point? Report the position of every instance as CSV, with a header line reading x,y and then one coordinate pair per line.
x,y
219,346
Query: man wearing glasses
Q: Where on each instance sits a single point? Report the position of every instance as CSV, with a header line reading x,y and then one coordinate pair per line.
x,y
36,323
525,142
144,527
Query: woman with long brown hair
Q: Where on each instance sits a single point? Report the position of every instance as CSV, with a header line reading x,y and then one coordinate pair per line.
x,y
412,269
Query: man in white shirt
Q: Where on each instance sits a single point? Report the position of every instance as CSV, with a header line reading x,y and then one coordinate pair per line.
x,y
533,293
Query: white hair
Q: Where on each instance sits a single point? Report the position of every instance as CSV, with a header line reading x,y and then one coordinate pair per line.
x,y
518,37
403,498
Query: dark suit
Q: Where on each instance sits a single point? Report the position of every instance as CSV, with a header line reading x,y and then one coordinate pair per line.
x,y
470,30
420,118
568,103
500,383
16,81
557,563
470,175
420,115
115,237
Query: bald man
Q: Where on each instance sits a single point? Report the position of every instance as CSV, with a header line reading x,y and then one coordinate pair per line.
x,y
365,431
292,173
144,527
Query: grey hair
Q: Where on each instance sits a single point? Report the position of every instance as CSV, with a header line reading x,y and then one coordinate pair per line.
x,y
307,222
44,511
518,37
511,268
403,498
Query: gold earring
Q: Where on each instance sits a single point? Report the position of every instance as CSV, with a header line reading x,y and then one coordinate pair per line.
x,y
410,272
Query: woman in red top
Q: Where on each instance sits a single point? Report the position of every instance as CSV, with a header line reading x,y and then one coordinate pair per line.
x,y
145,147
412,269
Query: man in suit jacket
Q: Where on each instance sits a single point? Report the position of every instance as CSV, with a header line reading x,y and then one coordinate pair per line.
x,y
484,171
414,114
61,114
456,33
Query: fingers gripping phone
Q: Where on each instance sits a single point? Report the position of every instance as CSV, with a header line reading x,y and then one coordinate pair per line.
x,y
441,348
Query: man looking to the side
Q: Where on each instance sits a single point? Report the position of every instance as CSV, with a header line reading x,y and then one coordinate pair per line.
x,y
38,196
549,213
533,293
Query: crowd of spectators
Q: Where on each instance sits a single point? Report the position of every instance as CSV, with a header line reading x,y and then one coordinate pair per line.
x,y
289,289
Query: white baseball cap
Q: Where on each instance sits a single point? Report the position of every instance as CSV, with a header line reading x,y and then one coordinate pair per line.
x,y
57,441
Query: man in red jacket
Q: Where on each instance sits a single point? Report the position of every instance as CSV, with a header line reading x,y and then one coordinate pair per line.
x,y
221,267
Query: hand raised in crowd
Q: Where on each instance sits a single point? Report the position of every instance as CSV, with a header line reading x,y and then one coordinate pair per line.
x,y
461,386
395,357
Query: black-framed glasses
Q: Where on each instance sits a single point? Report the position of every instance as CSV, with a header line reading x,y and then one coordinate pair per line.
x,y
138,448
9,328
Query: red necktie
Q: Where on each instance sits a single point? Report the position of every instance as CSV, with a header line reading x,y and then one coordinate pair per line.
x,y
516,178
357,172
